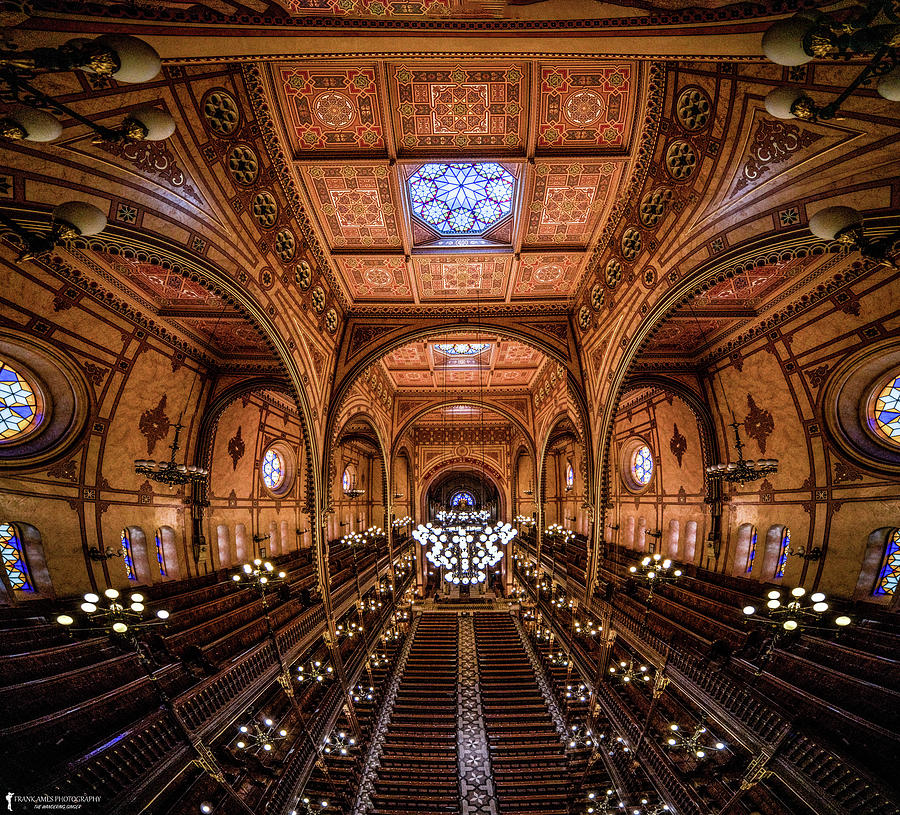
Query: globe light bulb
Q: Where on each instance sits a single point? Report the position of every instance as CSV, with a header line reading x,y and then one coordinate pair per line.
x,y
119,628
111,593
90,597
65,619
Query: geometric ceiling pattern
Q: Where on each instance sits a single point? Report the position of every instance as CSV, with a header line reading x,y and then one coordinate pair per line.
x,y
564,132
503,363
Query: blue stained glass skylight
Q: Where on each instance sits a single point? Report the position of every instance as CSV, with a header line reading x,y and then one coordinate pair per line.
x,y
461,199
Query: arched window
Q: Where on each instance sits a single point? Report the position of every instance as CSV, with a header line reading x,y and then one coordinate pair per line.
x,y
348,480
570,476
889,574
783,552
462,499
13,556
751,551
128,555
160,554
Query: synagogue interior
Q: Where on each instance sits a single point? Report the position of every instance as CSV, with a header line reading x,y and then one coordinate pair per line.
x,y
450,407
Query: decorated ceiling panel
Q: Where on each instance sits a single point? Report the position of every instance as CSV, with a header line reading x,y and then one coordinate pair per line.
x,y
449,277
355,204
568,200
547,275
586,106
405,145
459,107
376,277
331,109
164,287
477,361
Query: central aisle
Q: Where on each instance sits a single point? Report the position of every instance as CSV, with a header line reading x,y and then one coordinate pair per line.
x,y
470,732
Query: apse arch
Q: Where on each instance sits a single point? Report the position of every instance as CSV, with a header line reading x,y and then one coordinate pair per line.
x,y
789,244
348,433
561,351
476,403
462,466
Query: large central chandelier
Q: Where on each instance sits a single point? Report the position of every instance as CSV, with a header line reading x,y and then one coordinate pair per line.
x,y
464,545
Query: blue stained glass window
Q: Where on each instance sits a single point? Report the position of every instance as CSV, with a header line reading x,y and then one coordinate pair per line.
x,y
18,404
463,498
751,554
461,199
783,552
461,349
887,411
128,555
889,577
347,480
160,555
570,476
13,559
273,470
642,465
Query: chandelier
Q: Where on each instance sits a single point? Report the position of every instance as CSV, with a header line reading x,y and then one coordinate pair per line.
x,y
627,672
168,472
111,614
558,531
339,742
580,736
315,671
868,29
695,742
464,546
795,614
255,736
742,470
656,570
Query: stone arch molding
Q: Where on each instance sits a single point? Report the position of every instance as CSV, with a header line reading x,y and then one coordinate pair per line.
x,y
130,242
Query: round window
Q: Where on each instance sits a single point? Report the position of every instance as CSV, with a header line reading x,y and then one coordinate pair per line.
x,y
642,465
884,409
277,468
45,402
273,470
636,464
20,404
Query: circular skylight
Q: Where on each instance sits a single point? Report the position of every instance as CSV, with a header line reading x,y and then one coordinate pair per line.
x,y
461,199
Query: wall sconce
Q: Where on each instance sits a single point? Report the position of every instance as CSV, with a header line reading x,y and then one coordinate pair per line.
x,y
94,553
845,225
300,532
656,533
813,554
261,538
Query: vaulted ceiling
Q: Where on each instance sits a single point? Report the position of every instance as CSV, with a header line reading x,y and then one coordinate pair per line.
x,y
502,363
561,133
655,210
